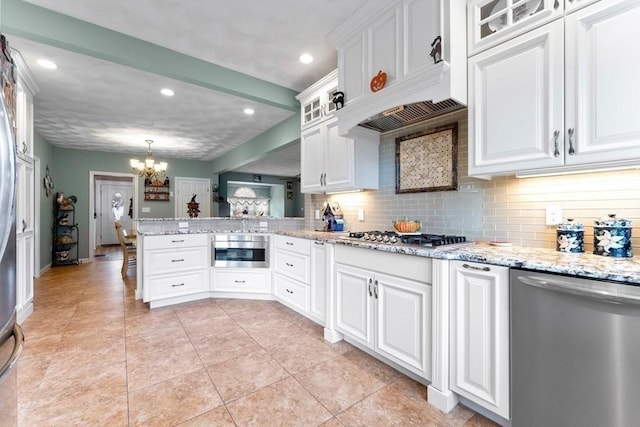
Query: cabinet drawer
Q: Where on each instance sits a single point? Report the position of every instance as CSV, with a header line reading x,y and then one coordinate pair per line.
x,y
293,244
176,241
175,285
291,293
168,261
293,265
250,281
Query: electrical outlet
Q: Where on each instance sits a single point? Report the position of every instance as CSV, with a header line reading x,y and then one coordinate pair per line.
x,y
554,215
360,214
146,209
317,213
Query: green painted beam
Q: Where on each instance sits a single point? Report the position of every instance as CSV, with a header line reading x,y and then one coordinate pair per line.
x,y
271,140
38,24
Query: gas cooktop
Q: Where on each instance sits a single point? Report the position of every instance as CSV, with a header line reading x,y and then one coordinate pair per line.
x,y
418,239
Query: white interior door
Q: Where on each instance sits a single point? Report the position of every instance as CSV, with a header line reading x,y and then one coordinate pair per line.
x,y
185,189
113,205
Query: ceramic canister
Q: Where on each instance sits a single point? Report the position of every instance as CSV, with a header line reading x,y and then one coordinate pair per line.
x,y
612,237
570,237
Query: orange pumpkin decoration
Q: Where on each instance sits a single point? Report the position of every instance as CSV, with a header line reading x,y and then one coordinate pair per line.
x,y
378,81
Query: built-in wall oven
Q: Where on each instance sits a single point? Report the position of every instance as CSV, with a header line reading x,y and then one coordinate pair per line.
x,y
240,250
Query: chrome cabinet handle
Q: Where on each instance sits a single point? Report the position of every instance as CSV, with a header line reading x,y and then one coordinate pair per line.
x,y
24,147
571,131
320,180
556,152
319,243
473,267
369,281
177,241
177,285
375,289
239,281
288,290
288,243
177,260
24,225
288,265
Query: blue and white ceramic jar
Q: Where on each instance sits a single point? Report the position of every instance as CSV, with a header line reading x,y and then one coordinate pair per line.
x,y
570,237
612,237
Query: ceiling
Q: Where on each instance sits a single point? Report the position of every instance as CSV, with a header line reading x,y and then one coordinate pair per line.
x,y
91,103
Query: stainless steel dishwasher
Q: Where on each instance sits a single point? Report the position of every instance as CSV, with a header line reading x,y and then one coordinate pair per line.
x,y
575,351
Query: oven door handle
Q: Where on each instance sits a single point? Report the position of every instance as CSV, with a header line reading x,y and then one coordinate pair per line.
x,y
568,287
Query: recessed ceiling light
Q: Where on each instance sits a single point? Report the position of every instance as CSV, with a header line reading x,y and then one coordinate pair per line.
x,y
249,111
305,58
166,92
45,63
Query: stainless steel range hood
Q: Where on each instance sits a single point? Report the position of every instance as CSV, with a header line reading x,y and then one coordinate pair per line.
x,y
409,114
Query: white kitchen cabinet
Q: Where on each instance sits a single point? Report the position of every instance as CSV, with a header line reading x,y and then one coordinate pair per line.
x,y
26,88
333,163
300,275
316,101
175,268
491,22
537,92
386,313
397,37
25,251
573,5
479,325
516,102
330,162
236,282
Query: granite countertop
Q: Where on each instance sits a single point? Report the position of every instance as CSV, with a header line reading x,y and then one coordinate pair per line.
x,y
539,259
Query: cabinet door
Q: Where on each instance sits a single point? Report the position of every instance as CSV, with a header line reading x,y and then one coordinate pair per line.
x,y
25,196
354,294
602,93
516,103
384,46
480,334
492,22
24,276
403,331
312,161
340,159
421,21
319,281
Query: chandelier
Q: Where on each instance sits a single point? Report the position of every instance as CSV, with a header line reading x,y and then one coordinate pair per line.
x,y
149,168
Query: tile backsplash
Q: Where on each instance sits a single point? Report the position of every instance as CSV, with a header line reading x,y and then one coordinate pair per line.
x,y
503,208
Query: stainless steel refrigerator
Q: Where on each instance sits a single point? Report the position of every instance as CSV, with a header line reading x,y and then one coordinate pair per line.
x,y
11,338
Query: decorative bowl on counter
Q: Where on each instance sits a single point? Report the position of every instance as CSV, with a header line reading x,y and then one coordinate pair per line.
x,y
406,225
612,237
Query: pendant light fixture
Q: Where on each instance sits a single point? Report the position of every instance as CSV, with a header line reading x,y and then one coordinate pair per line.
x,y
149,168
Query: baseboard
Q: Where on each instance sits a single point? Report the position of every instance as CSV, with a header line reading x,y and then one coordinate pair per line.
x,y
45,269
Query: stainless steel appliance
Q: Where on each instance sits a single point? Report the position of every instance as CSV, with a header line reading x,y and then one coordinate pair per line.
x,y
240,250
11,338
575,347
418,239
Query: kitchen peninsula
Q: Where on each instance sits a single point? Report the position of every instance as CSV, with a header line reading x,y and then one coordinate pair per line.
x,y
323,274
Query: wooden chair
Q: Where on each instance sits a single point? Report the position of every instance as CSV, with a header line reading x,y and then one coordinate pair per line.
x,y
128,251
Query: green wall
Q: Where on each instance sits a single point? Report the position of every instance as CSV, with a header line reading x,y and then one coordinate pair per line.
x,y
45,152
71,177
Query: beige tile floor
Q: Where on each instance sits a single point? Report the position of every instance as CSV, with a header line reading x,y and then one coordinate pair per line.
x,y
95,356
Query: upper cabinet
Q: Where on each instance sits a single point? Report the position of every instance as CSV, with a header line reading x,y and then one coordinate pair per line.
x,y
26,88
393,53
560,97
331,162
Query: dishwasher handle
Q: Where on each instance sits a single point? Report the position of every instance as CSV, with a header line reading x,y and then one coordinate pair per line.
x,y
568,286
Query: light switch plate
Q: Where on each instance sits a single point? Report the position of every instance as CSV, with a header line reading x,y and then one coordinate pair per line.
x,y
183,225
360,214
317,213
146,209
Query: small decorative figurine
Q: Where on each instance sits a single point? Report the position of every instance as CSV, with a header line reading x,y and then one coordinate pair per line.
x,y
338,99
378,81
436,50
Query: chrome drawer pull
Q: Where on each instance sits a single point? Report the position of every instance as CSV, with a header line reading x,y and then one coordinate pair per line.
x,y
288,265
177,260
289,291
289,243
177,285
177,241
472,267
239,281
319,243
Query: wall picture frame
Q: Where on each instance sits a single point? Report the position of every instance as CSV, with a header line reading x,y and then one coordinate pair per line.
x,y
427,160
